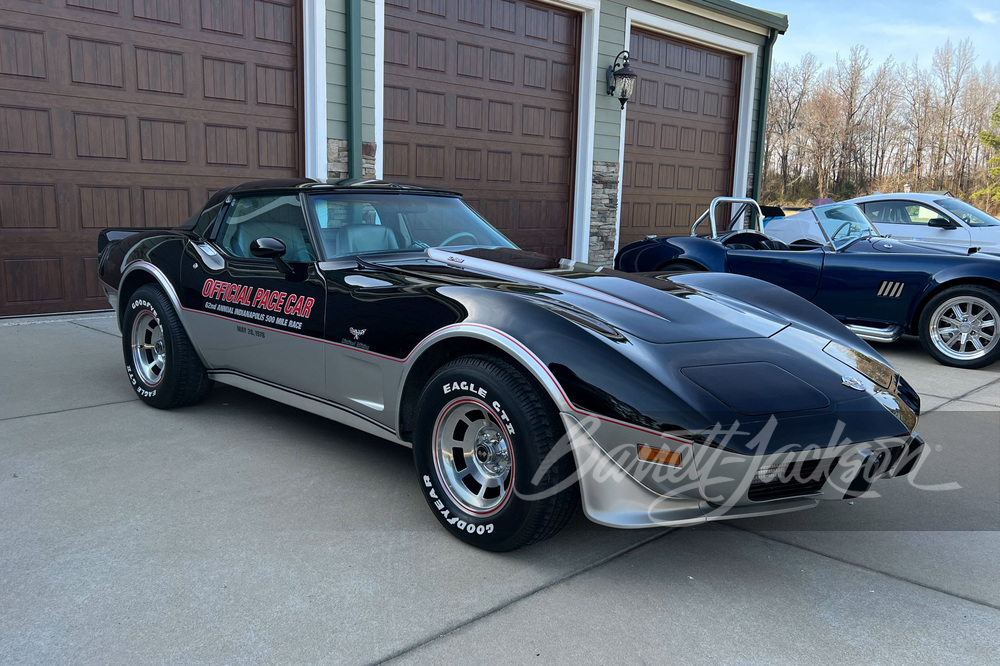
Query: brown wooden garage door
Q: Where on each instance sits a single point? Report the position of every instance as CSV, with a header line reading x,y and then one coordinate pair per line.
x,y
480,97
680,133
128,113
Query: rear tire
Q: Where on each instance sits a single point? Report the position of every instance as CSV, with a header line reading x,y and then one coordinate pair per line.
x,y
959,327
161,363
483,430
681,267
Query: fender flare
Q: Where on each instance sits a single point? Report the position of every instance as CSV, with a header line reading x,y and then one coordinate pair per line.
x,y
496,338
161,280
961,280
159,277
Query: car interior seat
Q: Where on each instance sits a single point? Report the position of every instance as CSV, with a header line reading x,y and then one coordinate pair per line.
x,y
353,238
773,244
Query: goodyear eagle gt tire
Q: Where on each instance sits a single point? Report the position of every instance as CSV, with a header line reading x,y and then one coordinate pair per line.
x,y
161,363
482,432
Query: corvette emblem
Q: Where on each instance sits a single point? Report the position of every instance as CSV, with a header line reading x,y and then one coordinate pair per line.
x,y
853,382
356,332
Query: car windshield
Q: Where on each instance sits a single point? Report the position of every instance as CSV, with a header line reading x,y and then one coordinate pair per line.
x,y
971,215
363,223
843,224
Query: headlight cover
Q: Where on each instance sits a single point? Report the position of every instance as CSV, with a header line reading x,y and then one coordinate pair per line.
x,y
870,367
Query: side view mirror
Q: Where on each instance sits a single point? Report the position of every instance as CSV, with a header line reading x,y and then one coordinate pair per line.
x,y
942,223
271,248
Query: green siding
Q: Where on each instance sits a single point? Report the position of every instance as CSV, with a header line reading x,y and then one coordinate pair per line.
x,y
368,70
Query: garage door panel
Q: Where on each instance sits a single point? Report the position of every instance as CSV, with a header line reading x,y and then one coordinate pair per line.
x,y
130,114
679,135
480,96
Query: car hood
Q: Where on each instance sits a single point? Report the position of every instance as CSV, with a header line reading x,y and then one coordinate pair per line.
x,y
892,246
651,308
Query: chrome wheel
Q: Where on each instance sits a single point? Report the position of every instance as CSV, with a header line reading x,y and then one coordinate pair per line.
x,y
148,349
473,458
964,328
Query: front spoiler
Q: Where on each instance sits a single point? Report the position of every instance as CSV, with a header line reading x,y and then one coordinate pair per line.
x,y
614,497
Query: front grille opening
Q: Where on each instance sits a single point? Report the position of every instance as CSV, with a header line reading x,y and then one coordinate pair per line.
x,y
908,395
792,480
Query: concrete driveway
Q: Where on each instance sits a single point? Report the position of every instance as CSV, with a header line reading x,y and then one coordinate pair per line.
x,y
243,531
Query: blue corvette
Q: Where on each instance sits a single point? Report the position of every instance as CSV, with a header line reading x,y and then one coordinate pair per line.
x,y
878,287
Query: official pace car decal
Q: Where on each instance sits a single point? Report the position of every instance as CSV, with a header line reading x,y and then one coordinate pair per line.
x,y
263,305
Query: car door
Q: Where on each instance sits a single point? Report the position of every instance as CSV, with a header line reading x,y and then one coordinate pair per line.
x,y
798,271
374,317
870,287
248,315
905,219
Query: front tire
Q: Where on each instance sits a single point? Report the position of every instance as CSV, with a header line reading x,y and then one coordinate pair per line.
x,y
483,430
959,327
161,363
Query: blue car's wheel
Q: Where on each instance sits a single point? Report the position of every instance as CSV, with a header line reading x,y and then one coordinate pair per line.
x,y
681,266
959,327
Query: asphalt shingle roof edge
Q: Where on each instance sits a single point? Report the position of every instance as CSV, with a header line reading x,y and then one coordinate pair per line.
x,y
758,16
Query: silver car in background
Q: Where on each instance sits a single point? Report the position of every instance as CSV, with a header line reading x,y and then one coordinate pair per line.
x,y
932,219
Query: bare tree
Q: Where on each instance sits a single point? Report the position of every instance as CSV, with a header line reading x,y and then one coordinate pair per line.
x,y
789,88
950,68
854,88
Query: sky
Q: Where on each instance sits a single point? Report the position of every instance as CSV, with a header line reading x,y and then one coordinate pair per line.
x,y
904,29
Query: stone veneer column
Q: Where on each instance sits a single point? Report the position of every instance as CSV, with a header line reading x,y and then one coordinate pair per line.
x,y
336,159
338,154
368,149
603,210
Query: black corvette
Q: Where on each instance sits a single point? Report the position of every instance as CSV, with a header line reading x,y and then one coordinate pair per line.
x,y
879,287
401,312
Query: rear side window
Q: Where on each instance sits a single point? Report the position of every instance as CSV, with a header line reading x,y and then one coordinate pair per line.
x,y
280,217
899,212
207,218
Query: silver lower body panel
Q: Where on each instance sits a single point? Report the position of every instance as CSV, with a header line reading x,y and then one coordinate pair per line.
x,y
711,484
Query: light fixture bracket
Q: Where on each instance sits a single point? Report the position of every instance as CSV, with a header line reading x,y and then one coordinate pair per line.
x,y
621,78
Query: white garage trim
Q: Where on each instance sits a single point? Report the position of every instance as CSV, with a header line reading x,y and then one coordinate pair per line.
x,y
379,82
586,113
691,8
748,83
314,87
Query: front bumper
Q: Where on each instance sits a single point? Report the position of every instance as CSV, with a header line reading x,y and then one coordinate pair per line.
x,y
710,483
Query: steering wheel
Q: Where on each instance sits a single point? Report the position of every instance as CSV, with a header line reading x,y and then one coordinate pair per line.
x,y
449,239
745,237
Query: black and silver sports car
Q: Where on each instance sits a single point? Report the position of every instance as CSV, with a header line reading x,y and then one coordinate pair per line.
x,y
523,384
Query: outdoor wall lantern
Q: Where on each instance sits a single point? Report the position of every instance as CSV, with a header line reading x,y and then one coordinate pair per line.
x,y
621,79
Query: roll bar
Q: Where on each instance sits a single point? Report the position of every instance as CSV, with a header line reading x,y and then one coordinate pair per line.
x,y
710,213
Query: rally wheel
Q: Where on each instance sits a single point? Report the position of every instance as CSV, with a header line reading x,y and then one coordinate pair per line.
x,y
959,327
483,431
161,363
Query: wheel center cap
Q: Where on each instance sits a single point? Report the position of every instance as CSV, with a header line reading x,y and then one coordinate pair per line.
x,y
965,327
491,452
158,346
